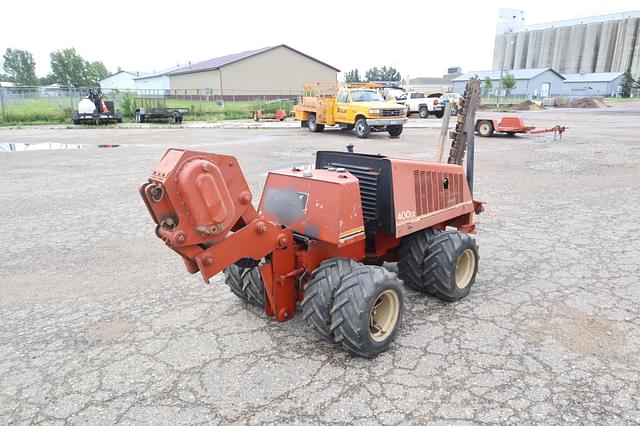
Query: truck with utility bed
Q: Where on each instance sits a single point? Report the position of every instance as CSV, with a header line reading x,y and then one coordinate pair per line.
x,y
358,107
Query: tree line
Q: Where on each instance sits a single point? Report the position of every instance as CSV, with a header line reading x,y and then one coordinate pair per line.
x,y
373,74
508,84
67,68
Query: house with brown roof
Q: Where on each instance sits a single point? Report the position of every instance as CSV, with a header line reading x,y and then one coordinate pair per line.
x,y
270,72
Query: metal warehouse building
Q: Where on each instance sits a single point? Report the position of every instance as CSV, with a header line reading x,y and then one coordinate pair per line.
x,y
538,82
156,83
277,71
592,84
606,43
120,80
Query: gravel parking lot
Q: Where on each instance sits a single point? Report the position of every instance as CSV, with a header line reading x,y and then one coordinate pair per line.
x,y
100,323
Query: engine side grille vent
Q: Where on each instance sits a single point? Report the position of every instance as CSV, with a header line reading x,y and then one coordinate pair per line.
x,y
436,190
374,173
368,188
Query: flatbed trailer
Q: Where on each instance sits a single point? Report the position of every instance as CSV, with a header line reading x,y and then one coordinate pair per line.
x,y
512,125
152,109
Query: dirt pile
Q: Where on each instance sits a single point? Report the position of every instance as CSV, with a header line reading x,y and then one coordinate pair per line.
x,y
591,102
528,106
560,101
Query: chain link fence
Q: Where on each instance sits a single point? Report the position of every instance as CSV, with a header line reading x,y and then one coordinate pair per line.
x,y
37,103
54,104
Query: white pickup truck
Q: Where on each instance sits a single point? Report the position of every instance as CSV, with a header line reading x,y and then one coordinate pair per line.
x,y
421,104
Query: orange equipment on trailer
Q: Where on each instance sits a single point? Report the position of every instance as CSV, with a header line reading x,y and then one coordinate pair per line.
x,y
259,115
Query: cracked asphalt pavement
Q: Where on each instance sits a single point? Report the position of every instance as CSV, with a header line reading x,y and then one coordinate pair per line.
x,y
100,323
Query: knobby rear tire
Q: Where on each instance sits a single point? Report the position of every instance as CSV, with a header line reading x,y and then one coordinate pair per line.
x,y
246,283
413,251
451,266
319,294
353,310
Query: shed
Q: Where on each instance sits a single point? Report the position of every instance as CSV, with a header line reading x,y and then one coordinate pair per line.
x,y
531,83
270,72
593,84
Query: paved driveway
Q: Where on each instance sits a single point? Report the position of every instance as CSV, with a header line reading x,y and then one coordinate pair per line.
x,y
99,322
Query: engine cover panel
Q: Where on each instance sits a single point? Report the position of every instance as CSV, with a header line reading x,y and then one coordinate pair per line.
x,y
324,206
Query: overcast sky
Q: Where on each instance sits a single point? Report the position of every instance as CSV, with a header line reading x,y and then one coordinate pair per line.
x,y
420,39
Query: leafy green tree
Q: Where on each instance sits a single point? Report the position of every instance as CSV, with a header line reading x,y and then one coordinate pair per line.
x,y
45,81
389,74
372,74
627,84
128,105
488,85
4,77
382,74
68,67
508,83
352,76
20,66
96,71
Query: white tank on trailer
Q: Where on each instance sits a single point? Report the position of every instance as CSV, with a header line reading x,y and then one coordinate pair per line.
x,y
85,106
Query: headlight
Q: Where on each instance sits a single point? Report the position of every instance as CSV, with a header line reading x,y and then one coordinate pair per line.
x,y
374,112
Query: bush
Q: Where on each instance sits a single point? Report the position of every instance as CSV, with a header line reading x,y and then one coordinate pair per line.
x,y
128,106
271,108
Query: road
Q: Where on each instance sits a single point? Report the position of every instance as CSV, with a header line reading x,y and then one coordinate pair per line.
x,y
100,323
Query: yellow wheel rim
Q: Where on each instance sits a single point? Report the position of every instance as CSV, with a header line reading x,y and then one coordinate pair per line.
x,y
384,315
464,268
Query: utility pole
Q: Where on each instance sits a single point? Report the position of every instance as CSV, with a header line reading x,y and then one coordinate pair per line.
x,y
502,66
499,87
504,55
3,105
